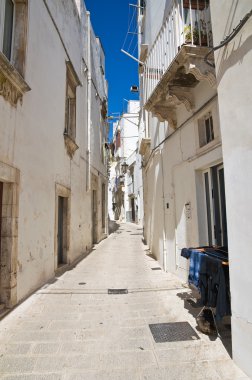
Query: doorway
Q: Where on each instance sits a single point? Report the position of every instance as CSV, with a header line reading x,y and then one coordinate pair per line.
x,y
103,207
133,214
94,216
1,208
216,206
1,215
8,243
62,231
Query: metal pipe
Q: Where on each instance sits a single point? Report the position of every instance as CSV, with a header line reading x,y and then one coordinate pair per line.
x,y
131,56
89,88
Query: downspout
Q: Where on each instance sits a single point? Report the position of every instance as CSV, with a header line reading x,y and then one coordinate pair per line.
x,y
164,221
89,84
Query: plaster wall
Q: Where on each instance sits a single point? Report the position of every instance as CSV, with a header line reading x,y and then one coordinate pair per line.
x,y
154,17
233,68
138,186
111,190
32,141
66,16
98,159
129,134
173,179
97,138
98,128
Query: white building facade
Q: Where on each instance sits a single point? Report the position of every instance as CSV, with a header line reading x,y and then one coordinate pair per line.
x,y
47,145
180,142
196,141
233,71
127,181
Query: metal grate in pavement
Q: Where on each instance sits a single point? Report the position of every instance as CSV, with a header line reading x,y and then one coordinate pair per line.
x,y
173,332
156,268
117,291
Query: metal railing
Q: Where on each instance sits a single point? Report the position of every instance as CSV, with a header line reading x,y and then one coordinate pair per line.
x,y
187,23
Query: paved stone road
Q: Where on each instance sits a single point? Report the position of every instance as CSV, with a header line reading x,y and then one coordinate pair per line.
x,y
73,330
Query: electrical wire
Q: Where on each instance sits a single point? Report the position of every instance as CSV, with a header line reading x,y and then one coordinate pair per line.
x,y
178,129
228,38
132,31
84,159
132,38
129,26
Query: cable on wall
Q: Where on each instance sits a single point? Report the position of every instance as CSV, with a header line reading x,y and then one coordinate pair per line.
x,y
228,38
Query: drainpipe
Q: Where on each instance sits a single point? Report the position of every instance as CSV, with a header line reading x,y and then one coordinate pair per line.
x,y
164,221
89,84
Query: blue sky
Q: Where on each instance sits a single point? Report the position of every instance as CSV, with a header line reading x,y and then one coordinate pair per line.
x,y
110,22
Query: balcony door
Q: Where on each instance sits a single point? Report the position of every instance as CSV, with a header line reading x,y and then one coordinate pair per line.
x,y
215,205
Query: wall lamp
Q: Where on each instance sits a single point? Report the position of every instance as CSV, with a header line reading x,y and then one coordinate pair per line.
x,y
124,167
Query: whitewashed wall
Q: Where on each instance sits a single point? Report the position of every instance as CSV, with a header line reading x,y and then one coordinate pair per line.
x,y
32,141
173,177
173,174
233,68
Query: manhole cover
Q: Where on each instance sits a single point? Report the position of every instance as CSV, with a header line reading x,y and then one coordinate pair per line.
x,y
117,291
172,332
156,268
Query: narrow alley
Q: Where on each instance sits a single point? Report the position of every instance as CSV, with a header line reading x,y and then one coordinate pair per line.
x,y
73,329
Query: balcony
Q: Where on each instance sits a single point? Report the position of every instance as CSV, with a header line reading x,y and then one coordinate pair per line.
x,y
175,62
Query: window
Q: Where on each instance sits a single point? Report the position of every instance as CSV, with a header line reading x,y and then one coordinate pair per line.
x,y
142,6
8,28
206,130
70,127
13,31
72,82
13,38
215,205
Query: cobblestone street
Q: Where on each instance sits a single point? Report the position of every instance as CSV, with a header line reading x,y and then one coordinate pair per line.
x,y
74,330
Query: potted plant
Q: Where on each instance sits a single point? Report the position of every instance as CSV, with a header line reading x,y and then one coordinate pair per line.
x,y
188,34
188,31
203,33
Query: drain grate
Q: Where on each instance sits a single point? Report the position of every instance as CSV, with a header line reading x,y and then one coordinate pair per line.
x,y
117,291
172,332
156,268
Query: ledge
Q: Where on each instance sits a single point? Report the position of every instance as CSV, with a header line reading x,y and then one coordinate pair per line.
x,y
71,145
12,84
144,144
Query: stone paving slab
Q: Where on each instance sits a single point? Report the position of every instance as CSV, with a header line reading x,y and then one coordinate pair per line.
x,y
73,329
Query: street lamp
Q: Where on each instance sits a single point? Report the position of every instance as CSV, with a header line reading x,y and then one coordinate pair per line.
x,y
124,167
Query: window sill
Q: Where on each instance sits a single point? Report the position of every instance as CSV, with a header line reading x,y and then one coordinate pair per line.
x,y
211,145
71,145
12,84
